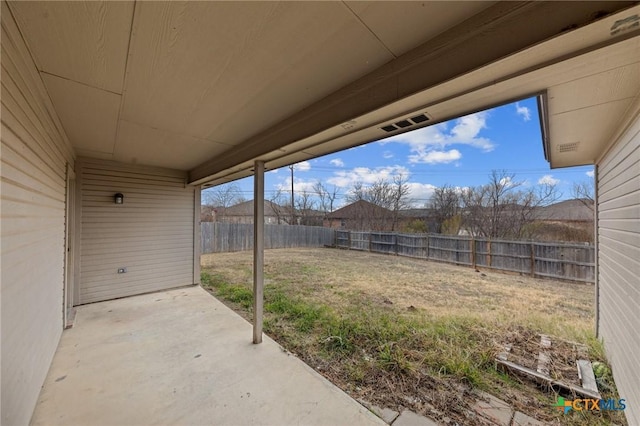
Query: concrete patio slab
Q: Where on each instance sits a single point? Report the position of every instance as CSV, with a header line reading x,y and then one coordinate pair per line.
x,y
494,409
386,414
409,418
182,357
521,419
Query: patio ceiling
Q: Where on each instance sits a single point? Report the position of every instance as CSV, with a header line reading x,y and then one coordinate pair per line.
x,y
209,87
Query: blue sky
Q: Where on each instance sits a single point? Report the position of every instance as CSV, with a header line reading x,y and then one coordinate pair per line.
x,y
461,153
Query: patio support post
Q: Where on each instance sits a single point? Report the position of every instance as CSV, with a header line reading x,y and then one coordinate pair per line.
x,y
596,244
258,250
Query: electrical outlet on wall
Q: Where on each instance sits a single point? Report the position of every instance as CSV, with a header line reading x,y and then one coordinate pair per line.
x,y
122,270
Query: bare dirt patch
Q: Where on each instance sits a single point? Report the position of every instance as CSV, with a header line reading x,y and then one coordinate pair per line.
x,y
401,332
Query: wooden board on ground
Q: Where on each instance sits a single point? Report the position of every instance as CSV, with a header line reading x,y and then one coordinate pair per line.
x,y
551,363
542,378
585,371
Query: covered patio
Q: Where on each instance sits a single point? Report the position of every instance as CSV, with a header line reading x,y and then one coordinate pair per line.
x,y
116,114
182,357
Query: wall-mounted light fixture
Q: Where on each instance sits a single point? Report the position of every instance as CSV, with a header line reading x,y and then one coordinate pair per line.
x,y
118,198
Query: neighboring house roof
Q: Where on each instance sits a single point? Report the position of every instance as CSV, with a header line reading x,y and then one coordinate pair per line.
x,y
246,209
568,210
416,213
359,209
310,213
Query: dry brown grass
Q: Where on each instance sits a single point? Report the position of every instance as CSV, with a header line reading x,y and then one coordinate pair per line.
x,y
560,308
406,332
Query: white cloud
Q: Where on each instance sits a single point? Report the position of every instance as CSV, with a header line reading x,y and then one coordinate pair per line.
x,y
420,193
346,178
387,155
299,185
506,181
461,190
436,157
590,173
337,162
523,111
548,180
303,166
302,186
465,131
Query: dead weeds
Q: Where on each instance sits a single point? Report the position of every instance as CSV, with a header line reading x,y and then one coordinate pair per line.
x,y
399,332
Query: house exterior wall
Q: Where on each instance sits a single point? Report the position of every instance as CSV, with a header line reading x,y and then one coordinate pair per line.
x,y
333,223
237,219
34,158
269,220
618,218
151,234
361,216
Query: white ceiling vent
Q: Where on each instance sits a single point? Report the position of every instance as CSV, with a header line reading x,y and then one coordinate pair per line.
x,y
568,147
405,123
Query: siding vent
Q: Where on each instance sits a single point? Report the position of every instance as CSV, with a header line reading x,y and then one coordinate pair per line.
x,y
389,128
404,123
568,147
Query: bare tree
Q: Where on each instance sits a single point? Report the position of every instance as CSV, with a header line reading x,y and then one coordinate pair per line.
x,y
281,205
392,195
305,206
325,196
373,214
221,197
401,192
504,207
357,192
445,204
400,196
585,192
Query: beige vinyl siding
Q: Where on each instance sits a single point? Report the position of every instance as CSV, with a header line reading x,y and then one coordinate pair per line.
x,y
34,156
618,180
151,234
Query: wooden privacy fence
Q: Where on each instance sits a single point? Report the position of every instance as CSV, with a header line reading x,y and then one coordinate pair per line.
x,y
225,237
574,262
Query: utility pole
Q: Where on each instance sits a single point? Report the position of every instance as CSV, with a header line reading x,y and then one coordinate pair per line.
x,y
293,211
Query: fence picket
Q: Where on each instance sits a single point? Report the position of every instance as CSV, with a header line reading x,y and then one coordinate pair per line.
x,y
220,237
573,262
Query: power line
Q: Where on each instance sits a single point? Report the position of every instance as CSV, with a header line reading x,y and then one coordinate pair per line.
x,y
414,172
